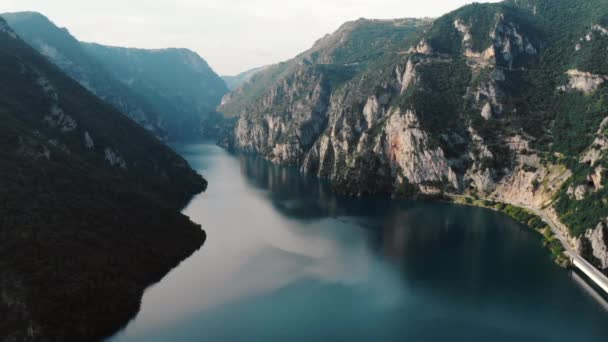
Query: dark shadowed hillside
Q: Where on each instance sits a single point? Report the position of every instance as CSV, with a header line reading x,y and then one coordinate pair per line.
x,y
177,82
171,92
88,208
62,49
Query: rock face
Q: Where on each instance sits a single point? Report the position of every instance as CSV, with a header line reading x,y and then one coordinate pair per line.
x,y
351,129
585,81
463,104
598,240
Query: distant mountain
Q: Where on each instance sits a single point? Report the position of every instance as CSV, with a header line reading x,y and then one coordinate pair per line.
x,y
89,206
234,82
177,82
171,92
504,101
342,54
61,48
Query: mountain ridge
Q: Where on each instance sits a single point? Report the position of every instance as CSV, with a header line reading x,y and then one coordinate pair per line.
x,y
496,100
89,213
169,106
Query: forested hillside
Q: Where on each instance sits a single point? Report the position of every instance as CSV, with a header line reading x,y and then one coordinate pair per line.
x,y
89,207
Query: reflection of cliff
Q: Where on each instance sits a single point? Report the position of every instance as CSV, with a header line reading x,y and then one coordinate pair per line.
x,y
430,243
450,253
292,193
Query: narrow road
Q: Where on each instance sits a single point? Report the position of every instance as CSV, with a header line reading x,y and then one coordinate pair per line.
x,y
579,262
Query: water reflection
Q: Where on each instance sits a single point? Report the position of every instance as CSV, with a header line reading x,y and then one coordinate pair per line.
x,y
286,258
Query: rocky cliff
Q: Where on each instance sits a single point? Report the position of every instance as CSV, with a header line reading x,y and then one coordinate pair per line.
x,y
494,100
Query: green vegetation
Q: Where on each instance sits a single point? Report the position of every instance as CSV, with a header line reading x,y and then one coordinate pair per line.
x,y
177,82
535,222
527,218
524,216
370,39
582,215
172,92
554,245
253,90
527,86
369,45
80,239
44,36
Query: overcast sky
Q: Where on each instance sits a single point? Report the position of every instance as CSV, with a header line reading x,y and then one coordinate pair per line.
x,y
232,35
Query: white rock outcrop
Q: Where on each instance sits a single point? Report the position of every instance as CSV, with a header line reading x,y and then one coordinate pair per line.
x,y
598,237
409,76
585,81
410,153
114,158
57,118
486,111
88,141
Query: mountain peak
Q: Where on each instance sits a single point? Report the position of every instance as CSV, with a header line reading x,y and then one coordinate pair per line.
x,y
27,16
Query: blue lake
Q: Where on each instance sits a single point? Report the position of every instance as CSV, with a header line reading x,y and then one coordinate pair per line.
x,y
287,259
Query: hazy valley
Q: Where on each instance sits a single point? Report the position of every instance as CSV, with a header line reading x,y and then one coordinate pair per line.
x,y
330,170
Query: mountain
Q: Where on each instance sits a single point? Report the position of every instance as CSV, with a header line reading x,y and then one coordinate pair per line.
x,y
234,82
89,207
171,92
503,101
177,82
60,47
343,54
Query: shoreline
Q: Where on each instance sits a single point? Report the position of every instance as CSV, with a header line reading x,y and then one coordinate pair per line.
x,y
535,213
565,256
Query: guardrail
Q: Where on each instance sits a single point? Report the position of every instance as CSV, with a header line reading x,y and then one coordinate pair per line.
x,y
596,276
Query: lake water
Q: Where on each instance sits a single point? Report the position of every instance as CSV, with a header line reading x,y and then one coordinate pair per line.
x,y
288,260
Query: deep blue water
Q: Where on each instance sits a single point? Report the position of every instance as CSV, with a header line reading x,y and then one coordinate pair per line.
x,y
286,259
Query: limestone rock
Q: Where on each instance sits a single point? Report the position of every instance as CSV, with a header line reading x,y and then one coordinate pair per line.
x,y
486,112
585,81
88,141
598,237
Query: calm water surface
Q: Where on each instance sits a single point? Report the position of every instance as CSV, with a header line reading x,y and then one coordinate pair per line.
x,y
286,259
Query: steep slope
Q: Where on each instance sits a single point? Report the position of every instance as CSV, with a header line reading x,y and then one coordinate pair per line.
x,y
348,51
501,101
88,208
177,82
236,81
61,48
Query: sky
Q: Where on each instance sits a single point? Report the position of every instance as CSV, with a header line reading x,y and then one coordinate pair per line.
x,y
232,35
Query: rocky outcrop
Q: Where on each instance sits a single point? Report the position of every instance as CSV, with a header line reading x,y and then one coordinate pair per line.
x,y
345,133
593,245
585,81
412,157
597,149
115,159
598,239
449,110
